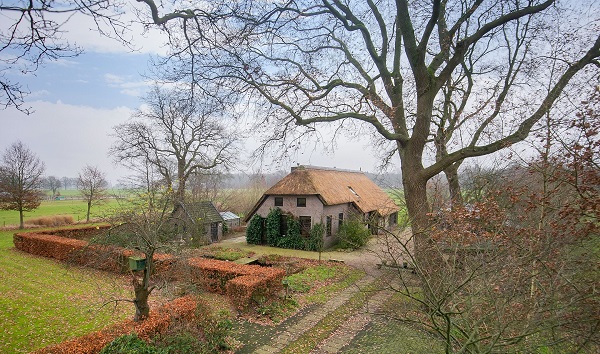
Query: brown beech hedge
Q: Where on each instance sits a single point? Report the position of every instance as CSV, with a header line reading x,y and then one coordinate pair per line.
x,y
159,321
241,283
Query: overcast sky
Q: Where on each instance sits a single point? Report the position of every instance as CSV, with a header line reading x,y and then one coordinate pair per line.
x,y
77,102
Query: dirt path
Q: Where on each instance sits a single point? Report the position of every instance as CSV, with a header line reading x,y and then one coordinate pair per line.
x,y
309,319
350,328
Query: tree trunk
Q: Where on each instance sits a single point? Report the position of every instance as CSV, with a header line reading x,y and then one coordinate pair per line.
x,y
142,309
21,224
451,173
89,206
415,194
143,290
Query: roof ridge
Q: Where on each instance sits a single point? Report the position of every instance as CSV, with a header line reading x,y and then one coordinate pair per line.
x,y
311,167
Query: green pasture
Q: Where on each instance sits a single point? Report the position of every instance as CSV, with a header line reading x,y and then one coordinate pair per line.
x,y
75,193
74,207
43,302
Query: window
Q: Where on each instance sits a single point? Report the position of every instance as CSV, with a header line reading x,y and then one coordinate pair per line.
x,y
305,224
278,201
328,225
301,202
340,219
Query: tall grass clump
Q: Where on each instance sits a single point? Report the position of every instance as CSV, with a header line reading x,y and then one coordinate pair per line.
x,y
50,221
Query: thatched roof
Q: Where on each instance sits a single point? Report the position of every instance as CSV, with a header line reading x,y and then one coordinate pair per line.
x,y
335,187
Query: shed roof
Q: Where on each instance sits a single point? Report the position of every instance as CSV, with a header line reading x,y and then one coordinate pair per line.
x,y
335,187
203,210
227,215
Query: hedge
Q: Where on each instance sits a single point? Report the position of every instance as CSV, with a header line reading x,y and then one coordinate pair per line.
x,y
212,275
77,232
103,257
224,278
158,322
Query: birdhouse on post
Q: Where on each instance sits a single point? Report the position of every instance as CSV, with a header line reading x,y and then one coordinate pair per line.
x,y
137,263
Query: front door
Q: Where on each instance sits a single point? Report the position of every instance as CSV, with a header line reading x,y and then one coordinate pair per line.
x,y
214,232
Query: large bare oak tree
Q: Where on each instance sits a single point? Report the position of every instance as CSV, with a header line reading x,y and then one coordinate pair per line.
x,y
177,135
416,74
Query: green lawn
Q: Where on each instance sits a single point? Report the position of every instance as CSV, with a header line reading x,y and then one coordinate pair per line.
x,y
77,208
43,302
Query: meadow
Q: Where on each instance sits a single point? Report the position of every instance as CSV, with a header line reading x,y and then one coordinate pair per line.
x,y
44,302
75,207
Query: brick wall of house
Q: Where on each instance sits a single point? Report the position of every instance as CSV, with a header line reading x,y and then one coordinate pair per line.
x,y
313,208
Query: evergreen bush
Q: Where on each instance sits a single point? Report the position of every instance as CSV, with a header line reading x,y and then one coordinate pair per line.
x,y
254,231
128,344
353,234
292,239
315,240
273,227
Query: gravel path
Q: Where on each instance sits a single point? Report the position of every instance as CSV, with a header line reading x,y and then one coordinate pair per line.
x,y
305,323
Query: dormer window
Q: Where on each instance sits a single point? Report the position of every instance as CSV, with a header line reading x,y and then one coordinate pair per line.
x,y
353,192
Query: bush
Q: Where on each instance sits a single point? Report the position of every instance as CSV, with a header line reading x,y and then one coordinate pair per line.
x,y
128,344
292,239
353,234
254,231
315,240
273,227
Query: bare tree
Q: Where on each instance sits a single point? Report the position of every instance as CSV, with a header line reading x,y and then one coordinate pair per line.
x,y
92,186
384,65
32,34
20,180
143,223
177,136
53,184
518,266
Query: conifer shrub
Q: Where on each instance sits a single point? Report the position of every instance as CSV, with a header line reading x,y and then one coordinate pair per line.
x,y
292,239
254,231
315,240
273,226
353,234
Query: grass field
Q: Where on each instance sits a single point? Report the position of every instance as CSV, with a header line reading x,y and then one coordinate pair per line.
x,y
44,302
77,208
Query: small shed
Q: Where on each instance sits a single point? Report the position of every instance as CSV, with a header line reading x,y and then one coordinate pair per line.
x,y
230,219
204,215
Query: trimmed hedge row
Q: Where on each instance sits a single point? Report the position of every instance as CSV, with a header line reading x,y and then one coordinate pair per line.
x,y
241,283
78,232
183,308
212,275
108,258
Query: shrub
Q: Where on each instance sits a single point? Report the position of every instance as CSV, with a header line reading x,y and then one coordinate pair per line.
x,y
353,234
273,226
292,239
315,240
128,344
254,231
